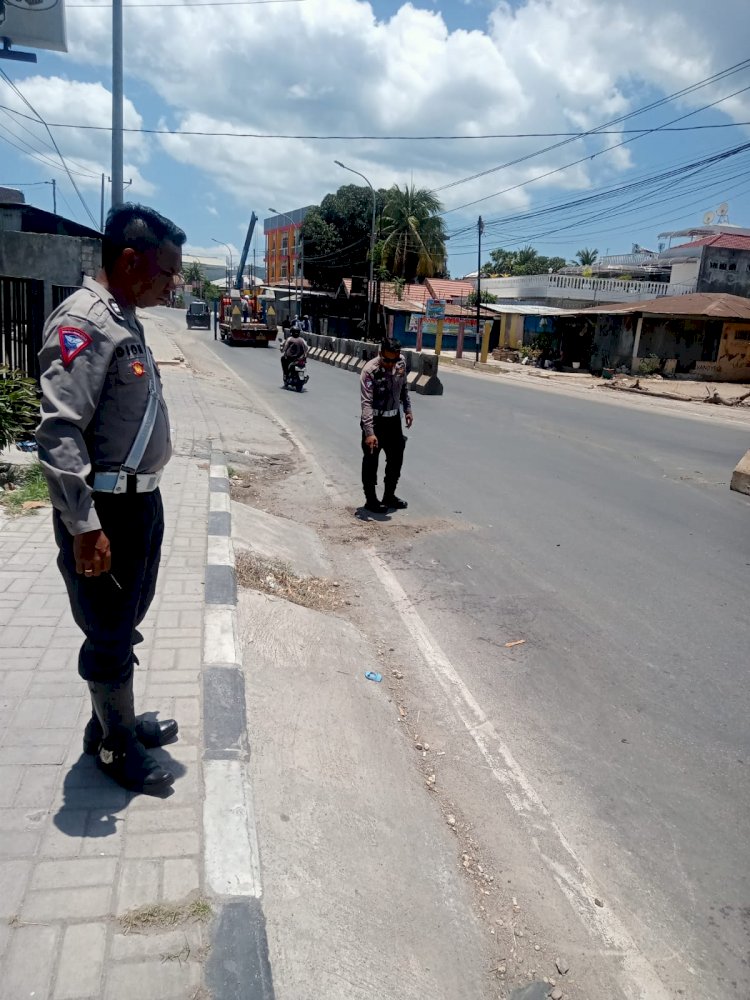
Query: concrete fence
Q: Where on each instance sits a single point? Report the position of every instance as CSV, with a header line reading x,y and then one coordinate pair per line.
x,y
353,355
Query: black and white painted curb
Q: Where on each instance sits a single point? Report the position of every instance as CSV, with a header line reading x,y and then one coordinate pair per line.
x,y
238,967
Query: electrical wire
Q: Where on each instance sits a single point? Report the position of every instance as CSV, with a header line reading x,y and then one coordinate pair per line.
x,y
54,143
82,172
383,138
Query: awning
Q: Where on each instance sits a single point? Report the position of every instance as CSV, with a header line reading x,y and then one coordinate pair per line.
x,y
698,305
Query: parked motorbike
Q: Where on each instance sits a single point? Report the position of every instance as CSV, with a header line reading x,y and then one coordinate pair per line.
x,y
296,376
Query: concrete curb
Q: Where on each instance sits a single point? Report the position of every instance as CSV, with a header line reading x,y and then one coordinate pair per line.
x,y
238,967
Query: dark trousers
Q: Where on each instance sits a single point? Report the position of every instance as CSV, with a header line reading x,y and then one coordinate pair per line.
x,y
390,440
107,615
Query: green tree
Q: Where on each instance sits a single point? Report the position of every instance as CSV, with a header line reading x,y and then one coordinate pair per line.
x,y
413,233
586,257
211,292
193,275
527,260
321,242
485,296
337,235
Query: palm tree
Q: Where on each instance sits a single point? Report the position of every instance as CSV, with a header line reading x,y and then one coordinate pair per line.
x,y
193,275
413,233
586,257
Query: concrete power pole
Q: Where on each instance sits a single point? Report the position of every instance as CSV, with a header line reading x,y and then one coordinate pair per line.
x,y
117,102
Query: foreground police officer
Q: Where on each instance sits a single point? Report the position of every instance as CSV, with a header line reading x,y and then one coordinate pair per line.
x,y
103,440
383,391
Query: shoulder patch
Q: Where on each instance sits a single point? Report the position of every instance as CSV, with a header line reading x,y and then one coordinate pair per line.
x,y
72,342
114,308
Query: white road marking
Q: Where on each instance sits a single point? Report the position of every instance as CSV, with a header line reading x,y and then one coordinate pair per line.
x,y
575,882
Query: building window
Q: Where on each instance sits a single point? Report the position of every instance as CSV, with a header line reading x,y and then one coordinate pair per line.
x,y
723,266
732,267
742,334
713,264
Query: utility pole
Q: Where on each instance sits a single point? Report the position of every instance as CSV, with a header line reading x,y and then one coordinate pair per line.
x,y
101,208
117,99
54,196
480,230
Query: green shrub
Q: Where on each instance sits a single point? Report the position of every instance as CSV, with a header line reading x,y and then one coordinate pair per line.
x,y
19,406
649,365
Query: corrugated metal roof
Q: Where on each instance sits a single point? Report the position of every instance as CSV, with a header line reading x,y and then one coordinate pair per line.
x,y
723,241
708,305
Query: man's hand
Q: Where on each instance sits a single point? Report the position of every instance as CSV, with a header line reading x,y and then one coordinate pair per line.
x,y
92,553
409,419
372,442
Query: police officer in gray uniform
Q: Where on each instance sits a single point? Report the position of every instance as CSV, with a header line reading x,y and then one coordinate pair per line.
x,y
383,392
104,439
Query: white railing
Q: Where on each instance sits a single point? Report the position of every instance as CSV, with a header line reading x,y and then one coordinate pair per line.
x,y
571,286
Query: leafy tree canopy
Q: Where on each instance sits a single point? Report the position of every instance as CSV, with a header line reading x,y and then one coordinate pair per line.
x,y
517,262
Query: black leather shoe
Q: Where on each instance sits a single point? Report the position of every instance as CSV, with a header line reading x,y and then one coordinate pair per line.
x,y
125,760
375,506
395,503
150,732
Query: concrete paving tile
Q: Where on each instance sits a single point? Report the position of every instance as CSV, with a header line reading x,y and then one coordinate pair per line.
x,y
79,972
72,873
29,962
38,786
162,845
10,779
139,884
181,877
67,904
14,876
151,980
19,843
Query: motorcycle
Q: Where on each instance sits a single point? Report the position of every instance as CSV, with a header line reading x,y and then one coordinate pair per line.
x,y
296,376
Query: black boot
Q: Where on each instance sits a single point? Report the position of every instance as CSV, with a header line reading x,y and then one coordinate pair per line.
x,y
121,756
374,505
149,732
393,502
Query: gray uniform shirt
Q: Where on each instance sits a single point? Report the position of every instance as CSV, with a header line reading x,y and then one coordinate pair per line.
x,y
95,368
382,391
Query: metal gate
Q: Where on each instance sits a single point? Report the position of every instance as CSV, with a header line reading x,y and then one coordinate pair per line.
x,y
21,323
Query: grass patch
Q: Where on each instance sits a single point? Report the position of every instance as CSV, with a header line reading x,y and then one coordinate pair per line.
x,y
271,576
161,915
25,488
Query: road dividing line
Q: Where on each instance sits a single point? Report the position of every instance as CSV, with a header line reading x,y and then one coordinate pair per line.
x,y
578,886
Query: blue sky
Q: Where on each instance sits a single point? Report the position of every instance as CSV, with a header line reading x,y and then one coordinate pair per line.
x,y
384,68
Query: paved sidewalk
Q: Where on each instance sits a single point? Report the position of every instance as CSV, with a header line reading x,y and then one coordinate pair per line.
x,y
76,852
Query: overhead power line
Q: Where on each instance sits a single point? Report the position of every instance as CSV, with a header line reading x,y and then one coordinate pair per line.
x,y
30,106
384,138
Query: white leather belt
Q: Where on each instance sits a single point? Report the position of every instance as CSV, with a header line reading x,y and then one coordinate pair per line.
x,y
386,413
117,482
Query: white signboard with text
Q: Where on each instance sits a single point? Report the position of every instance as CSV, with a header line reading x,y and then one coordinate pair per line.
x,y
34,24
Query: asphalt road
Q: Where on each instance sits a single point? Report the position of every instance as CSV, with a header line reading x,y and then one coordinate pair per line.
x,y
606,537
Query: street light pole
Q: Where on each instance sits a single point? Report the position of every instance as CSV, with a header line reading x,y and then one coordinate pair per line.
x,y
289,264
480,230
229,250
117,102
372,242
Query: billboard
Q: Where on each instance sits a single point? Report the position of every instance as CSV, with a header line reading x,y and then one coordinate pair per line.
x,y
35,24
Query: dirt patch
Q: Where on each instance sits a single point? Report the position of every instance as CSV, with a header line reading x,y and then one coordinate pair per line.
x,y
272,576
348,530
257,484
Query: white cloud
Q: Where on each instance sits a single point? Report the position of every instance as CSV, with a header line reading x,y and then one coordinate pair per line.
x,y
339,68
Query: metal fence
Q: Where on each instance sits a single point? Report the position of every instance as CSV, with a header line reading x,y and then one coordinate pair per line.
x,y
21,323
60,293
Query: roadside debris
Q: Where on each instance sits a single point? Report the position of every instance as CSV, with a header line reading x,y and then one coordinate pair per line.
x,y
373,675
562,966
515,642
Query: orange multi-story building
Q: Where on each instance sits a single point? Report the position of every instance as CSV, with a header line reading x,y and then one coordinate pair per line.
x,y
283,246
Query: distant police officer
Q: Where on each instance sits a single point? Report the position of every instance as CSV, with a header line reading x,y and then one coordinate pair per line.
x,y
383,391
104,439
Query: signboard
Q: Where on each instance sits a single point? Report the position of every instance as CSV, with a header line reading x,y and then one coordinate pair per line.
x,y
435,308
37,24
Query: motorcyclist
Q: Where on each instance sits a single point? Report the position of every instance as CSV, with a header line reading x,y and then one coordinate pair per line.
x,y
295,348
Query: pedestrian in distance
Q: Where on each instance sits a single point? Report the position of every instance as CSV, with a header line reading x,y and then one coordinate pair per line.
x,y
104,439
384,392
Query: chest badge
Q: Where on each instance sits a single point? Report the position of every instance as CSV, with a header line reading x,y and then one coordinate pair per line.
x,y
72,342
138,368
